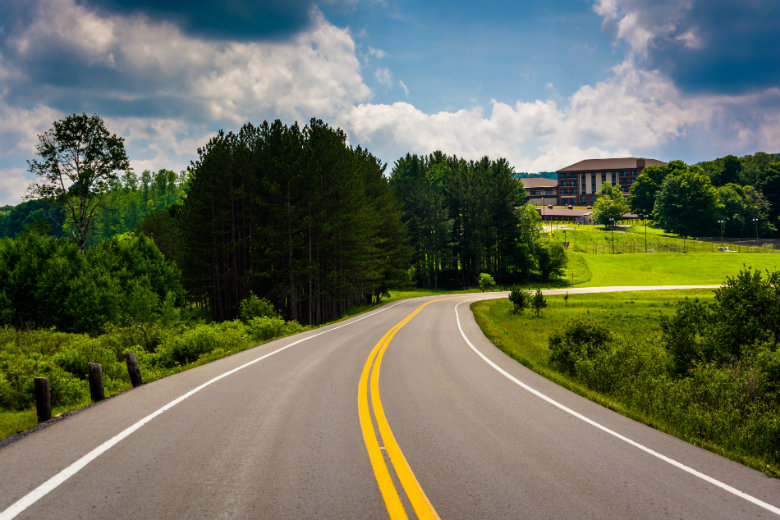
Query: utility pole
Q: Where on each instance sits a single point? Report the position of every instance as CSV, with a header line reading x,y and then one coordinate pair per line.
x,y
645,219
721,221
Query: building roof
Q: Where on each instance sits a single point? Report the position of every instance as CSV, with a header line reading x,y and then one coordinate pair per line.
x,y
622,163
563,212
539,182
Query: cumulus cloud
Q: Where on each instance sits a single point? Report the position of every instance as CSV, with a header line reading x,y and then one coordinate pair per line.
x,y
139,67
710,46
162,89
13,186
19,127
632,112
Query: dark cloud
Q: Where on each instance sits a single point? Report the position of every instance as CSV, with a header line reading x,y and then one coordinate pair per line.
x,y
226,19
740,48
710,46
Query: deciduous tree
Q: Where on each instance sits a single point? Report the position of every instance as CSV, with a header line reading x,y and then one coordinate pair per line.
x,y
610,206
79,161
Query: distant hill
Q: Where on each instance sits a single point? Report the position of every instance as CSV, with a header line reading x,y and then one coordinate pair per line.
x,y
526,175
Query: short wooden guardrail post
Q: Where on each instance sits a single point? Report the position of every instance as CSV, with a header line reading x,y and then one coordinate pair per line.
x,y
133,370
96,382
42,399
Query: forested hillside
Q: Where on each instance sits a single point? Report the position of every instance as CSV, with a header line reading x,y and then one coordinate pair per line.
x,y
130,198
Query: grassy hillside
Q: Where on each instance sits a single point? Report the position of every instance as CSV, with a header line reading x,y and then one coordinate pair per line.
x,y
662,268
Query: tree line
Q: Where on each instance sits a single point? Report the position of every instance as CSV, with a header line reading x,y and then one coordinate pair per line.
x,y
733,196
294,215
467,217
128,199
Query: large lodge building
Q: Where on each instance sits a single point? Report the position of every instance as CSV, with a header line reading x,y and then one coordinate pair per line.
x,y
580,183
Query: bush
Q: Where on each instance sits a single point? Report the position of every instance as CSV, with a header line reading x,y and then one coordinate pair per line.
x,y
486,282
265,328
254,307
17,384
520,299
580,340
193,343
550,258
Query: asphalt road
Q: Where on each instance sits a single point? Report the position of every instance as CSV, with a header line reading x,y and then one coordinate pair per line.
x,y
288,435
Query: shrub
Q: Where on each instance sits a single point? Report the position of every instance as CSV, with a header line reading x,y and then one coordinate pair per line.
x,y
550,258
486,282
520,299
254,307
76,356
264,328
193,343
17,385
580,340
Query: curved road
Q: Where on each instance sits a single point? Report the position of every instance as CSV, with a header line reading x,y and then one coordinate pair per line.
x,y
388,414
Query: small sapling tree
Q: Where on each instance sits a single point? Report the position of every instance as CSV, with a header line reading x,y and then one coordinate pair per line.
x,y
539,302
520,300
486,282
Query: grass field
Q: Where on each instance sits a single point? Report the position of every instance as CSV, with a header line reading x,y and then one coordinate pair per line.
x,y
634,316
632,239
524,337
662,268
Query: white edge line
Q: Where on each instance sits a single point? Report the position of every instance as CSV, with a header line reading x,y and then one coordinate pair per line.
x,y
680,465
50,485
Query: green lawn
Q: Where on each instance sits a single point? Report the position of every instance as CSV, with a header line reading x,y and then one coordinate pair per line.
x,y
631,239
659,268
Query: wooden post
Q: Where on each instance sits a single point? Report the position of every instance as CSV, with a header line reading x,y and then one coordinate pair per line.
x,y
96,382
42,399
133,370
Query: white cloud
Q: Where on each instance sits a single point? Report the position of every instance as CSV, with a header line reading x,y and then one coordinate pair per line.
x,y
383,76
315,73
379,53
13,186
160,143
19,127
404,87
631,113
644,24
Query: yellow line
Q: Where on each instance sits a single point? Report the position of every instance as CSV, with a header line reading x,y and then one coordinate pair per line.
x,y
420,503
392,501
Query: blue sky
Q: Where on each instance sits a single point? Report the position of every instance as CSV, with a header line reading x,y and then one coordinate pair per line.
x,y
543,84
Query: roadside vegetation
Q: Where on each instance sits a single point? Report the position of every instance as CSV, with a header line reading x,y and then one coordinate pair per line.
x,y
701,365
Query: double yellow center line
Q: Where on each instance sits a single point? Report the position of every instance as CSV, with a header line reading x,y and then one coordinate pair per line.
x,y
395,508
